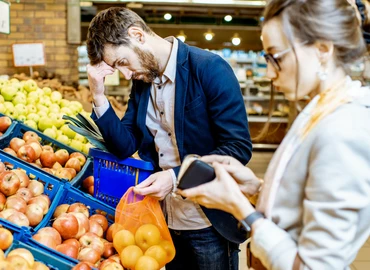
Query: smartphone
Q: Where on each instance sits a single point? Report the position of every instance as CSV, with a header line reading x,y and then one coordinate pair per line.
x,y
194,172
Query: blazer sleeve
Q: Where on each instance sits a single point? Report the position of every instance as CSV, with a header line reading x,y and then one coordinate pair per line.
x,y
227,110
110,125
337,189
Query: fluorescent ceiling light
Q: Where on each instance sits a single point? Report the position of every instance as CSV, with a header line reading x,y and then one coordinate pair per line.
x,y
205,2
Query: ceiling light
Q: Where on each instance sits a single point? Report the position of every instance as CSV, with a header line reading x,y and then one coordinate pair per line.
x,y
167,16
228,18
209,35
181,36
235,40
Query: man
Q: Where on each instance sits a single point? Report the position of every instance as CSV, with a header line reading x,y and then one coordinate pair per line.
x,y
184,100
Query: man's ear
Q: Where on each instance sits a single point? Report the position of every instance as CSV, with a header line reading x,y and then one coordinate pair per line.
x,y
136,33
324,50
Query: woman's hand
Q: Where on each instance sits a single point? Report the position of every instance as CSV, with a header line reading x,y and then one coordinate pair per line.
x,y
248,182
222,193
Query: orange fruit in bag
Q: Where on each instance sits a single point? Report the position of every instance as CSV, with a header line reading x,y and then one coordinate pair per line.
x,y
147,235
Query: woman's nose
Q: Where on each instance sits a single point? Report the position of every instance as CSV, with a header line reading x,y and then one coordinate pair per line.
x,y
271,72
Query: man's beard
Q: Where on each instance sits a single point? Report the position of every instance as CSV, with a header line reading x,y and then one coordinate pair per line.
x,y
149,64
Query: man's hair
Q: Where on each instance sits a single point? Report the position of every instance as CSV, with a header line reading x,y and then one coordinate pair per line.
x,y
110,26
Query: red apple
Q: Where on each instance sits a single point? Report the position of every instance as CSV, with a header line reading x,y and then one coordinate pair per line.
x,y
40,202
6,239
88,182
19,219
37,147
82,266
62,156
72,171
10,151
36,187
96,228
91,190
66,225
69,250
7,213
116,258
16,143
34,213
2,201
5,123
89,255
17,203
73,163
45,239
108,250
93,241
63,173
23,177
26,153
61,209
83,224
102,220
48,170
79,156
2,167
53,233
48,159
9,183
47,148
46,198
79,208
30,135
73,242
24,193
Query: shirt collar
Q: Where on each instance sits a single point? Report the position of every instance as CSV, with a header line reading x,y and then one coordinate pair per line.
x,y
170,71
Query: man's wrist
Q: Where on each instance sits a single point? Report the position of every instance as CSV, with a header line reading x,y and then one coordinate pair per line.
x,y
242,207
99,100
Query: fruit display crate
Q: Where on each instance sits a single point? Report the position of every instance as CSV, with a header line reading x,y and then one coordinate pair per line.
x,y
9,130
72,195
20,129
53,188
50,258
113,177
18,232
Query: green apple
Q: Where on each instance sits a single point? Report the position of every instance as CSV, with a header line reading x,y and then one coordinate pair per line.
x,y
86,148
63,139
19,87
8,105
67,131
21,109
12,113
34,95
19,99
2,108
3,83
56,97
31,108
33,116
42,114
45,100
31,124
54,108
57,119
59,132
30,86
42,108
50,132
13,80
21,118
75,109
32,100
2,100
44,123
8,92
67,111
80,138
64,103
47,91
78,105
76,145
40,92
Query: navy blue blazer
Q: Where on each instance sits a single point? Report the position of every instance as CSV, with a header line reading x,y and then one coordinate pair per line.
x,y
210,118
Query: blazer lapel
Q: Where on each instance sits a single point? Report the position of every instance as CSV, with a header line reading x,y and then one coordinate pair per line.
x,y
143,108
182,75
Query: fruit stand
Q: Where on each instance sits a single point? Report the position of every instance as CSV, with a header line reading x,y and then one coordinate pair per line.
x,y
57,201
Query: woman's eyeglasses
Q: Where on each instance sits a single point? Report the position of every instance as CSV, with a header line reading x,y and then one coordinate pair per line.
x,y
274,58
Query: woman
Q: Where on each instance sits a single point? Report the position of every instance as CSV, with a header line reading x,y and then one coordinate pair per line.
x,y
313,210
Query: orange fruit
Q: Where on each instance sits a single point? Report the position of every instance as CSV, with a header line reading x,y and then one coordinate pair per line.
x,y
147,235
169,248
146,263
130,255
158,253
122,239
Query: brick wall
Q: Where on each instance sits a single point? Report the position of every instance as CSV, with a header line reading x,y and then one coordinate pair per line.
x,y
35,21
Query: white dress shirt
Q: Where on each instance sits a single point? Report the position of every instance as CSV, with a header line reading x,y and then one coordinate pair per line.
x,y
160,120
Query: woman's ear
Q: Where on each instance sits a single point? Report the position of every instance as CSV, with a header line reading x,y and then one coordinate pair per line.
x,y
324,50
136,33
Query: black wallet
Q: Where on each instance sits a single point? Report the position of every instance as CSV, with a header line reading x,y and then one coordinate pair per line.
x,y
197,173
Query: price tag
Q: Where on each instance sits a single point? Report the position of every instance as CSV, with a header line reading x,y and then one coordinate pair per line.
x,y
4,17
28,54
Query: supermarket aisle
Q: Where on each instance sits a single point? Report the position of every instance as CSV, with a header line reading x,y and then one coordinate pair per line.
x,y
259,164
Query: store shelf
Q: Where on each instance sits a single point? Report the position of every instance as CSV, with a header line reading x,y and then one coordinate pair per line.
x,y
264,119
262,98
